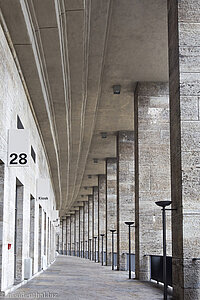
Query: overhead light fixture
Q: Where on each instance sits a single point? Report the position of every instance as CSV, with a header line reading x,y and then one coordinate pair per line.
x,y
116,89
95,160
89,176
103,135
85,187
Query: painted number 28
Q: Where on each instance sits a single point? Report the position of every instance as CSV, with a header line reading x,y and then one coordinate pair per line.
x,y
21,159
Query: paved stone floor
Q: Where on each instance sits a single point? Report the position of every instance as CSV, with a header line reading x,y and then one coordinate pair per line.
x,y
74,278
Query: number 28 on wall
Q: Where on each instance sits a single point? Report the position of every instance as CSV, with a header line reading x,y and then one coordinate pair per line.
x,y
16,159
18,148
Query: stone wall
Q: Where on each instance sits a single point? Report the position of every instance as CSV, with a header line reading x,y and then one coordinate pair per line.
x,y
13,103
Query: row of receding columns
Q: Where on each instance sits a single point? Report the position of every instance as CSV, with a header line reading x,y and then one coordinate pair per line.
x,y
113,201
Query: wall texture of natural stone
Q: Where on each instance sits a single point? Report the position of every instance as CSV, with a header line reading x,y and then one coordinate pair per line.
x,y
126,195
68,235
81,227
96,216
153,176
184,86
85,242
111,213
90,225
77,230
102,210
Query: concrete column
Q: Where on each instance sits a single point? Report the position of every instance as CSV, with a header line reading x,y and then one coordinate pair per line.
x,y
81,226
85,242
102,209
90,224
68,235
111,211
96,216
73,233
152,173
77,230
184,85
61,237
64,236
125,195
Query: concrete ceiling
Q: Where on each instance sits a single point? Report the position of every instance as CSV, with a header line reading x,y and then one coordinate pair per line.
x,y
71,53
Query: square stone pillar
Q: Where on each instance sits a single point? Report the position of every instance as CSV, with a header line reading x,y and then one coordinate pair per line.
x,y
111,205
64,235
73,234
61,237
77,231
81,229
85,242
125,195
90,225
102,210
96,217
184,85
68,235
152,172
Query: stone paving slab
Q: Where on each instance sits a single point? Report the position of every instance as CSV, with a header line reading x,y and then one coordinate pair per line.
x,y
72,278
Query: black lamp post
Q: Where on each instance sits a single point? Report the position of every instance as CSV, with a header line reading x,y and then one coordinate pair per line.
x,y
112,230
163,204
95,239
102,235
129,256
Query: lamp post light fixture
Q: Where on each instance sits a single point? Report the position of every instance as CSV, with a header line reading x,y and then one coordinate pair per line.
x,y
163,204
95,239
129,256
112,231
102,235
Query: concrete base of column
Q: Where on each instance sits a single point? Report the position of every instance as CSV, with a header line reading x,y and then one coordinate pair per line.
x,y
144,273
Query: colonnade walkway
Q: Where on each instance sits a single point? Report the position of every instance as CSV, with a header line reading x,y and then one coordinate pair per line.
x,y
73,278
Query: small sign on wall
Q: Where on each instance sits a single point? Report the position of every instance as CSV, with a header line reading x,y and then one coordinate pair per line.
x,y
43,189
18,148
